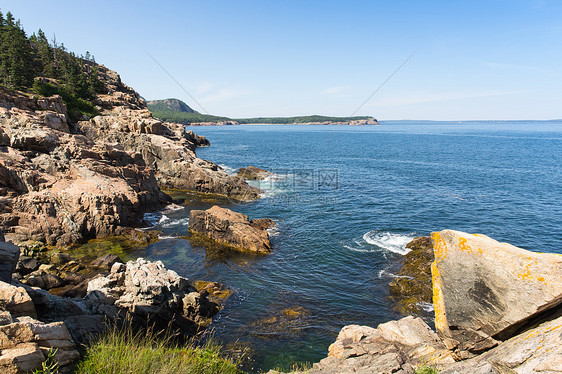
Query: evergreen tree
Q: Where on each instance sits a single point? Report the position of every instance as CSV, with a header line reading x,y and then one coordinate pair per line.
x,y
16,67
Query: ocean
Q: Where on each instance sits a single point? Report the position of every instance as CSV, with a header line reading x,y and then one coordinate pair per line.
x,y
345,201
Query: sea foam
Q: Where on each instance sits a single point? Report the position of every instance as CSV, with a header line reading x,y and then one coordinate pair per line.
x,y
389,241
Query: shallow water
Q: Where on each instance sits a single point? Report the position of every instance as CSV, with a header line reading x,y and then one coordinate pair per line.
x,y
346,200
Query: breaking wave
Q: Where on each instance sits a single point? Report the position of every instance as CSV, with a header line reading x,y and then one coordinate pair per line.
x,y
389,241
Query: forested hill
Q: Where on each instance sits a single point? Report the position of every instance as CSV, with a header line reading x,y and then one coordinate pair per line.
x,y
175,110
174,105
33,64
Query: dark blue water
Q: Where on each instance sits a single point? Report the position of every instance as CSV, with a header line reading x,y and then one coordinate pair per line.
x,y
346,201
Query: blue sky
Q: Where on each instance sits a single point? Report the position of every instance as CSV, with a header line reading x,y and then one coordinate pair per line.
x,y
493,59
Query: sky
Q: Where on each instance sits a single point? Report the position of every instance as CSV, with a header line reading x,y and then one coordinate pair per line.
x,y
432,60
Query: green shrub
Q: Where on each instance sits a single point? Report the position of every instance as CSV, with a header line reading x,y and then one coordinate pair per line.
x,y
122,351
425,369
76,106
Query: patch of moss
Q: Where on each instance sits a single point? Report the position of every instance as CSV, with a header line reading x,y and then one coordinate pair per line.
x,y
413,284
117,245
184,197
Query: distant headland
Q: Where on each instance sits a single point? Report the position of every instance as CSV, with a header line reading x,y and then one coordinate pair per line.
x,y
175,110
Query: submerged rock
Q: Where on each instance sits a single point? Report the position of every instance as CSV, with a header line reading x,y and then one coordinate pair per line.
x,y
231,229
485,291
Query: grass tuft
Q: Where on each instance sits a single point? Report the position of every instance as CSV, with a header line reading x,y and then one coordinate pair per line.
x,y
122,351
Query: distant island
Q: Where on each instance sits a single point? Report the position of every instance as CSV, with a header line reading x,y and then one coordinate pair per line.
x,y
175,110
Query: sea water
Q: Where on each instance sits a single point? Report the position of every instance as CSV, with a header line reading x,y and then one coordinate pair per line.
x,y
346,200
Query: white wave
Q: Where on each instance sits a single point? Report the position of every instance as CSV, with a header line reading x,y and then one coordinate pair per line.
x,y
427,307
273,231
175,222
167,237
387,274
152,218
172,208
228,170
389,241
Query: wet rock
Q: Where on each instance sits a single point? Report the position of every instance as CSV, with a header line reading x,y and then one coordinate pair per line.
x,y
485,291
412,286
287,323
216,292
253,173
262,223
44,280
26,265
59,258
105,262
230,229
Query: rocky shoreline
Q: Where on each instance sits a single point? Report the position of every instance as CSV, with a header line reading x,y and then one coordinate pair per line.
x,y
63,182
139,293
498,309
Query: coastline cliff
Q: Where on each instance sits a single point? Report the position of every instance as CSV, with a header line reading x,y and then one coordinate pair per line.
x,y
62,181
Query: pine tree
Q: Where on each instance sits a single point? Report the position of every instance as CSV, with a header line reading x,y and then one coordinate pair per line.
x,y
16,68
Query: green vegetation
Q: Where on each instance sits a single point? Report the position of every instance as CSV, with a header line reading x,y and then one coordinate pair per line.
x,y
298,120
175,110
185,117
47,68
122,351
50,365
425,369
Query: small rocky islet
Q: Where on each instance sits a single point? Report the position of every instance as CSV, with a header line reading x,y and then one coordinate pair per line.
x,y
64,182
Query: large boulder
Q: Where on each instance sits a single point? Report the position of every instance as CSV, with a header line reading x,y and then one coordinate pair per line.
x,y
538,350
392,347
485,291
150,293
231,229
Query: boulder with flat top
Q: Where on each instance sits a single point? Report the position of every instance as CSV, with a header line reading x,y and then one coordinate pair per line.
x,y
231,229
485,291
